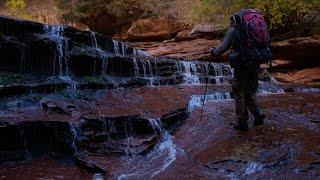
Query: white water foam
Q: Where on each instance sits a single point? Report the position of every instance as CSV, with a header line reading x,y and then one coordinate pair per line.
x,y
56,34
188,73
98,176
142,53
116,47
253,167
158,160
94,39
193,71
197,100
75,137
269,88
307,90
24,143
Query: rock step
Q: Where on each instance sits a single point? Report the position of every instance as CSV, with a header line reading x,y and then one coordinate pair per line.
x,y
133,135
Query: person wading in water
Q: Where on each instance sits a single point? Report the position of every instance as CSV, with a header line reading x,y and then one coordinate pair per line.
x,y
249,38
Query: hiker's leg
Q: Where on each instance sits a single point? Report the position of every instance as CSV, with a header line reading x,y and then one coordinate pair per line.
x,y
251,98
251,92
239,88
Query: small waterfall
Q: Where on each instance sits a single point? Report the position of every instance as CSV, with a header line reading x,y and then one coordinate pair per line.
x,y
270,90
147,71
157,127
188,72
108,127
72,84
163,154
94,39
129,138
123,49
306,90
135,64
166,144
116,47
73,129
183,72
144,68
222,73
104,126
119,48
98,176
156,68
24,143
104,67
56,34
142,53
150,68
22,60
197,100
112,127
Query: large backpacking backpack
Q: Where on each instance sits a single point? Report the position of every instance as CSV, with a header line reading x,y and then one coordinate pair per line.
x,y
252,31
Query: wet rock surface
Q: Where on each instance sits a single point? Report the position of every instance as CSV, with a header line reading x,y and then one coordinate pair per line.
x,y
77,104
116,136
51,166
181,48
285,146
294,60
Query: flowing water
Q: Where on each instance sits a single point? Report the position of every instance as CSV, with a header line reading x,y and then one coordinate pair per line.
x,y
198,100
27,153
94,39
74,132
55,33
159,157
156,161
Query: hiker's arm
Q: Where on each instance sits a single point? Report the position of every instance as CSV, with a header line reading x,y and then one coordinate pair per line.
x,y
226,44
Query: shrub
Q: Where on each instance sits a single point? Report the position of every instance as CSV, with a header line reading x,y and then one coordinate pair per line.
x,y
289,15
283,15
17,8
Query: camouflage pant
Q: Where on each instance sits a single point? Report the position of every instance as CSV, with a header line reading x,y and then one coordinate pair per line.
x,y
244,86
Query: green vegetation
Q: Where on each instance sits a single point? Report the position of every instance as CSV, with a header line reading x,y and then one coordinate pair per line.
x,y
201,11
75,11
8,77
91,79
282,15
17,8
287,15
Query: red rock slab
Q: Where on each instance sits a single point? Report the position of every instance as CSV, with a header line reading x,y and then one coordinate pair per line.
x,y
302,76
147,102
45,167
197,49
54,110
150,102
287,145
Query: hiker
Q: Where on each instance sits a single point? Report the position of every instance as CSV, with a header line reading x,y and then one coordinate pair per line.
x,y
249,38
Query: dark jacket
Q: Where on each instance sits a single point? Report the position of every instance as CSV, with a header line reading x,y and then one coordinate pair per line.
x,y
228,41
232,40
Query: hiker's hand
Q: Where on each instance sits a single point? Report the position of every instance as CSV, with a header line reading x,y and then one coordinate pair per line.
x,y
213,55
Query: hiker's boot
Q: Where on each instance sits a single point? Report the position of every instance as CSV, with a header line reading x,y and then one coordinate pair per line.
x,y
258,120
241,126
